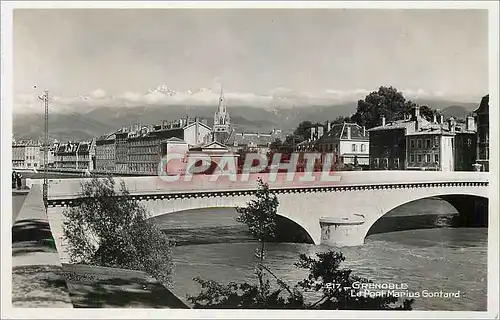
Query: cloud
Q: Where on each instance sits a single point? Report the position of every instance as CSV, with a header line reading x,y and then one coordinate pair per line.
x,y
279,97
98,94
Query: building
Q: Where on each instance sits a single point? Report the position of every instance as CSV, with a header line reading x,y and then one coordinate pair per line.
x,y
222,122
105,152
223,133
85,155
415,143
481,115
349,143
143,149
121,150
75,156
18,155
50,155
215,150
144,145
65,155
252,142
196,132
26,155
174,146
138,149
32,155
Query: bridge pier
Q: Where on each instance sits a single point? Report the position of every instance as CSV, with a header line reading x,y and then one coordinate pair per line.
x,y
342,232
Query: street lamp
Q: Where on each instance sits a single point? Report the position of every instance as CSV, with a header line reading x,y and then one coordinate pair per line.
x,y
45,98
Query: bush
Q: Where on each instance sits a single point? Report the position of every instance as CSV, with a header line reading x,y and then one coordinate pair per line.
x,y
111,230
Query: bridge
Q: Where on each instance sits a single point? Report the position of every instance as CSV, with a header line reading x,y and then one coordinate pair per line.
x,y
338,212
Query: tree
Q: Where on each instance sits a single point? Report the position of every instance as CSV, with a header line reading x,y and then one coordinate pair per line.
x,y
302,132
425,111
275,145
387,102
111,230
326,277
340,120
260,217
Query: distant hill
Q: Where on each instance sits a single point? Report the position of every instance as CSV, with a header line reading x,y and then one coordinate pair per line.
x,y
91,123
456,112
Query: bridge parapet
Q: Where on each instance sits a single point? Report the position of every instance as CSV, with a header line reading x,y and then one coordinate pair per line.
x,y
71,188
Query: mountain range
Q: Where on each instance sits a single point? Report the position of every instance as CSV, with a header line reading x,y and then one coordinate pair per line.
x,y
85,124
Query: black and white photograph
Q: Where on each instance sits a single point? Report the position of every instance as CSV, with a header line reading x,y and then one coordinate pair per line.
x,y
249,159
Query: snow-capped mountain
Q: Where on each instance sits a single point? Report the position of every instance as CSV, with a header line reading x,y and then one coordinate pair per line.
x,y
166,90
163,89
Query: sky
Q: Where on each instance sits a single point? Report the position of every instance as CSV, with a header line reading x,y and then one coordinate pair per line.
x,y
263,57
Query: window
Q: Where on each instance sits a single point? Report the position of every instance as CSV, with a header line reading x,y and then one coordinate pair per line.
x,y
427,158
436,141
419,157
354,149
412,157
363,148
428,143
419,143
412,144
396,163
436,158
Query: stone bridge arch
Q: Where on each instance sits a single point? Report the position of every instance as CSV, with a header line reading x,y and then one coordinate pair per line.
x,y
288,228
463,201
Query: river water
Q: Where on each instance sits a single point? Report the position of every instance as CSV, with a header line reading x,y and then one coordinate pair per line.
x,y
214,246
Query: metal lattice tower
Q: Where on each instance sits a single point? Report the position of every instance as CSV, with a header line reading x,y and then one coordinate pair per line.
x,y
45,99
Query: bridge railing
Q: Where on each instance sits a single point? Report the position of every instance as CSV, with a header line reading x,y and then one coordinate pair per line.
x,y
69,188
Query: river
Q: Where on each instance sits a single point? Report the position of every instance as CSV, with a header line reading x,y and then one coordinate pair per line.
x,y
435,257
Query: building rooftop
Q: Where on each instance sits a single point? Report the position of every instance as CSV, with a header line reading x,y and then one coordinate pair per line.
x,y
339,131
255,138
67,148
483,105
83,148
424,126
25,143
174,139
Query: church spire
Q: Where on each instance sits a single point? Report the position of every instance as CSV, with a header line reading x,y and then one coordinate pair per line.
x,y
222,122
222,107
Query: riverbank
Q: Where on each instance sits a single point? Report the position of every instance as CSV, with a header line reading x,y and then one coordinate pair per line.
x,y
101,287
40,280
36,268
